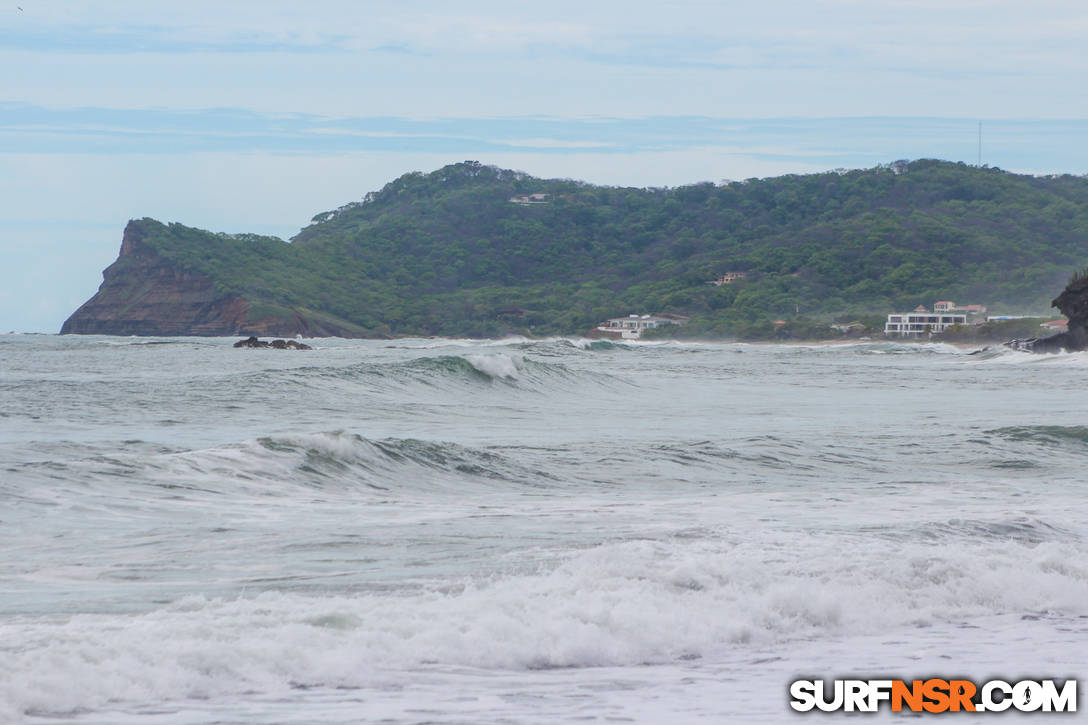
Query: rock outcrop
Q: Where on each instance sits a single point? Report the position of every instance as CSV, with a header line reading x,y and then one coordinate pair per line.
x,y
1073,303
275,344
143,293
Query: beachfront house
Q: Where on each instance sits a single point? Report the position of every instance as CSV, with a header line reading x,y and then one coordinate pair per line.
x,y
921,322
632,326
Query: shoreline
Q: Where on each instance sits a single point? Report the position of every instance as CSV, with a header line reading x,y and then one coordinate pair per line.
x,y
959,344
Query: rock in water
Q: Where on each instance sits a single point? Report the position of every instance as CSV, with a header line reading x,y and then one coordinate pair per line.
x,y
277,344
251,342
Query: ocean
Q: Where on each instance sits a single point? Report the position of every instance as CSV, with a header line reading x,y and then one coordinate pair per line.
x,y
529,531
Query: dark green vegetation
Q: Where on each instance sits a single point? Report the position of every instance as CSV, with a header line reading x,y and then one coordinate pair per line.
x,y
447,253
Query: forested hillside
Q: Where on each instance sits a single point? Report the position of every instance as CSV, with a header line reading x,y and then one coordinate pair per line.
x,y
449,253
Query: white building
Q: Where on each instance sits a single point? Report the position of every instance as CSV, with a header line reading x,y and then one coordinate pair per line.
x,y
632,326
949,306
918,323
531,199
729,278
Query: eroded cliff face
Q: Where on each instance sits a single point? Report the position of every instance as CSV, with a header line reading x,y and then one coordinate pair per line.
x,y
1073,303
144,294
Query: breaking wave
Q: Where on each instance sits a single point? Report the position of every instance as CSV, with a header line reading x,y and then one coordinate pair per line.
x,y
901,348
343,461
1001,355
627,603
327,466
470,369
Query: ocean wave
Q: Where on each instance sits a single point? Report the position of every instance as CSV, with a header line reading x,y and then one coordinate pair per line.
x,y
753,458
310,468
1001,355
875,347
576,343
1020,529
627,603
435,343
619,345
519,343
333,464
467,370
600,345
491,368
760,452
901,348
138,342
1051,435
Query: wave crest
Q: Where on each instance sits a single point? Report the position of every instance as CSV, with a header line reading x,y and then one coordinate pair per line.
x,y
619,604
1046,434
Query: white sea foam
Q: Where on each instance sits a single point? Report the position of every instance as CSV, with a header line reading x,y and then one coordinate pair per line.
x,y
184,548
499,365
615,605
906,348
1058,359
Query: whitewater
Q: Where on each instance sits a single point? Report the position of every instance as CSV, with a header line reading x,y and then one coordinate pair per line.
x,y
528,531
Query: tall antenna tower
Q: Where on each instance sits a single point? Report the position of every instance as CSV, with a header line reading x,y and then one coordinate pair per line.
x,y
980,143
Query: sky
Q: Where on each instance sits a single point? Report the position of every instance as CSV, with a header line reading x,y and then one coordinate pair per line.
x,y
255,116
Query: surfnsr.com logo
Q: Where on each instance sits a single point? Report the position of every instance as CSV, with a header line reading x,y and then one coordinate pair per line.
x,y
934,695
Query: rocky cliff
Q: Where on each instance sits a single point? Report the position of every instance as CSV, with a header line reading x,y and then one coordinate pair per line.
x,y
1073,303
448,253
144,293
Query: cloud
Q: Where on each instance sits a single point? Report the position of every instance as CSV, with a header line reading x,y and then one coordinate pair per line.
x,y
779,33
1042,145
552,143
782,57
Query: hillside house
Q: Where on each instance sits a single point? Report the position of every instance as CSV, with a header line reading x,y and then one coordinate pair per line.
x,y
729,278
948,306
531,199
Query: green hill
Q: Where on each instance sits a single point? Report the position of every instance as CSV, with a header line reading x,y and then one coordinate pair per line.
x,y
449,253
